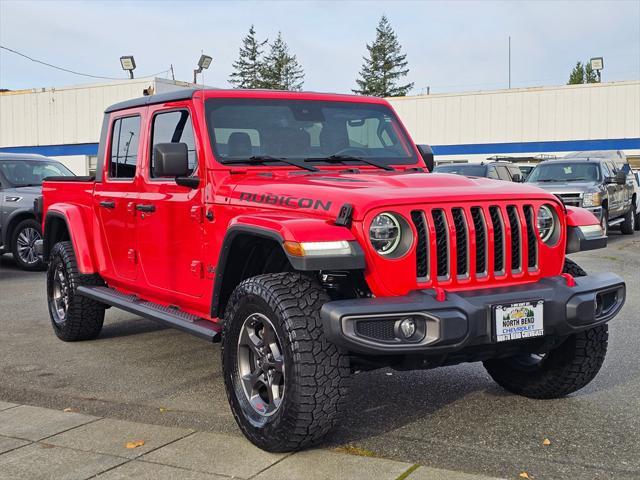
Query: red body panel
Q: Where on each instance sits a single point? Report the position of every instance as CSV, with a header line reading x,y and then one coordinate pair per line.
x,y
169,256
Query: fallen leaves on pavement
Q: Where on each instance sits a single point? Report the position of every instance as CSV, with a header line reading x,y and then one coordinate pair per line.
x,y
546,442
135,444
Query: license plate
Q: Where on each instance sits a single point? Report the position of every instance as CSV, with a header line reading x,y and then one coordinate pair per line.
x,y
515,321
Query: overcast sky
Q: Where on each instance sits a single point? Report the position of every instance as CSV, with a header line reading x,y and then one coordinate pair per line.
x,y
450,46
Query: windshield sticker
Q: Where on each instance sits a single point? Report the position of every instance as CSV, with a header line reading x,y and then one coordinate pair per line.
x,y
568,170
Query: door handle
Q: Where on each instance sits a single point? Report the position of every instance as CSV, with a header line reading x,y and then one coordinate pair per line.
x,y
146,208
108,204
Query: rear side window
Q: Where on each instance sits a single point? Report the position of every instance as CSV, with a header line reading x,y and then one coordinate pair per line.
x,y
503,173
174,127
125,137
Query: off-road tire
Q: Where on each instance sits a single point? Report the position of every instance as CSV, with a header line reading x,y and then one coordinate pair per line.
x,y
317,372
84,316
562,371
628,226
32,224
604,221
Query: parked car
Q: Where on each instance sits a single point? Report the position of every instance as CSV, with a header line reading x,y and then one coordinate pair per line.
x,y
506,171
304,231
594,183
21,178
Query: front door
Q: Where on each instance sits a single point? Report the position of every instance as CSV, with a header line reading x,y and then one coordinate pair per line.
x,y
170,224
115,198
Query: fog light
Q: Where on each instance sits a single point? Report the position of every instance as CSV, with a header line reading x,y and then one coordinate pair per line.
x,y
408,327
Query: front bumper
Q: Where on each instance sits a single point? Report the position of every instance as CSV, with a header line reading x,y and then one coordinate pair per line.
x,y
464,320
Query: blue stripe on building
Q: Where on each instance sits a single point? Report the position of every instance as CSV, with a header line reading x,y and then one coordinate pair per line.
x,y
464,149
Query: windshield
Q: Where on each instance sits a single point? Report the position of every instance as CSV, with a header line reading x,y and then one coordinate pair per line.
x,y
464,169
306,130
26,173
565,172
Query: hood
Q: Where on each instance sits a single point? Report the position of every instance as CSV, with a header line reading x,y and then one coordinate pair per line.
x,y
24,190
566,187
325,193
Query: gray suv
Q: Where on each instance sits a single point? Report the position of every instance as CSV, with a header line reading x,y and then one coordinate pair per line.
x,y
20,184
593,181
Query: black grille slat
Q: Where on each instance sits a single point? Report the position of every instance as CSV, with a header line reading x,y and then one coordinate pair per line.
x,y
481,240
514,223
422,248
532,241
462,253
498,240
442,242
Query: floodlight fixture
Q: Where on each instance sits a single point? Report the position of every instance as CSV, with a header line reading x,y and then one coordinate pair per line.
x,y
597,64
128,63
203,64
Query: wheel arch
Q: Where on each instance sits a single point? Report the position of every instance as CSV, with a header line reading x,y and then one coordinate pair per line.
x,y
250,250
15,218
65,223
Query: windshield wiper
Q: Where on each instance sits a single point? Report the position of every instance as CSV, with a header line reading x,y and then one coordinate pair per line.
x,y
270,159
343,158
549,180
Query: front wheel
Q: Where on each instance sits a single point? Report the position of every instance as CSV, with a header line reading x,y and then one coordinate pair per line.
x,y
25,236
559,372
286,383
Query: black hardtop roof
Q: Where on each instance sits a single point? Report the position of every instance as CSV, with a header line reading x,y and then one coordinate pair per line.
x,y
184,94
187,94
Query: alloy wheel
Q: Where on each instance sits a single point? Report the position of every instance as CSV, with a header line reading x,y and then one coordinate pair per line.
x,y
261,364
60,296
26,241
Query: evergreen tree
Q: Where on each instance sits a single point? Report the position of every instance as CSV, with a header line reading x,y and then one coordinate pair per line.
x,y
281,70
385,66
249,66
590,75
577,75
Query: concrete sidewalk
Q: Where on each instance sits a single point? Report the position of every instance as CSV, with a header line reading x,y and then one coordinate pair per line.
x,y
39,443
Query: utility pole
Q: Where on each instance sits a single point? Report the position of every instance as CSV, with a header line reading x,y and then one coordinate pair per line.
x,y
509,62
173,77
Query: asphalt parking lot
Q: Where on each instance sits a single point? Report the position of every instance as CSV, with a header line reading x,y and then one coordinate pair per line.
x,y
453,418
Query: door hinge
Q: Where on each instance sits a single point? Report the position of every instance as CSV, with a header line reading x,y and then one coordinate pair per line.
x,y
132,255
196,268
196,213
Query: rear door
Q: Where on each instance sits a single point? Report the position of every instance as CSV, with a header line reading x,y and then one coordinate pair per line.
x,y
115,196
170,231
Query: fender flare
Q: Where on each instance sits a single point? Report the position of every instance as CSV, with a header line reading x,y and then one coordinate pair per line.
x,y
353,262
72,217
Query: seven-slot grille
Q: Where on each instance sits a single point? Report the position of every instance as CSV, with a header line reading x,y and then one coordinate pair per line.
x,y
454,229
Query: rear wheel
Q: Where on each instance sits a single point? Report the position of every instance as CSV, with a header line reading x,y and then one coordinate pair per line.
x,y
25,236
73,316
629,225
559,372
285,381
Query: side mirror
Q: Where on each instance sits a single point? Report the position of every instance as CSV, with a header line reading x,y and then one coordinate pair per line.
x,y
170,160
517,177
427,155
621,178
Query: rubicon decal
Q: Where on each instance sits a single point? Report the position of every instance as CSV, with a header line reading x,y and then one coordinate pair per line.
x,y
285,201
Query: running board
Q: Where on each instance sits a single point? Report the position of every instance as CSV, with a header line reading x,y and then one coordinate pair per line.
x,y
617,221
170,316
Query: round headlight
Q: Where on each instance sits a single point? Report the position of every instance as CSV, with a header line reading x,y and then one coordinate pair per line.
x,y
385,233
546,223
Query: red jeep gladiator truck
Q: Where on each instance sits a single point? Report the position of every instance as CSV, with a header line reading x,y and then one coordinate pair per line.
x,y
305,232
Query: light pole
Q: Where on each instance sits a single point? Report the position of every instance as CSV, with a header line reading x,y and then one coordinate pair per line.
x,y
128,63
203,64
597,64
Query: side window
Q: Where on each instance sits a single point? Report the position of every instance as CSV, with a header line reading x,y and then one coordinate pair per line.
x,y
606,171
125,136
491,173
503,173
174,127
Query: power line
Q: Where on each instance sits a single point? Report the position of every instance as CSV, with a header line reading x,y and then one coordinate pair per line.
x,y
70,71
